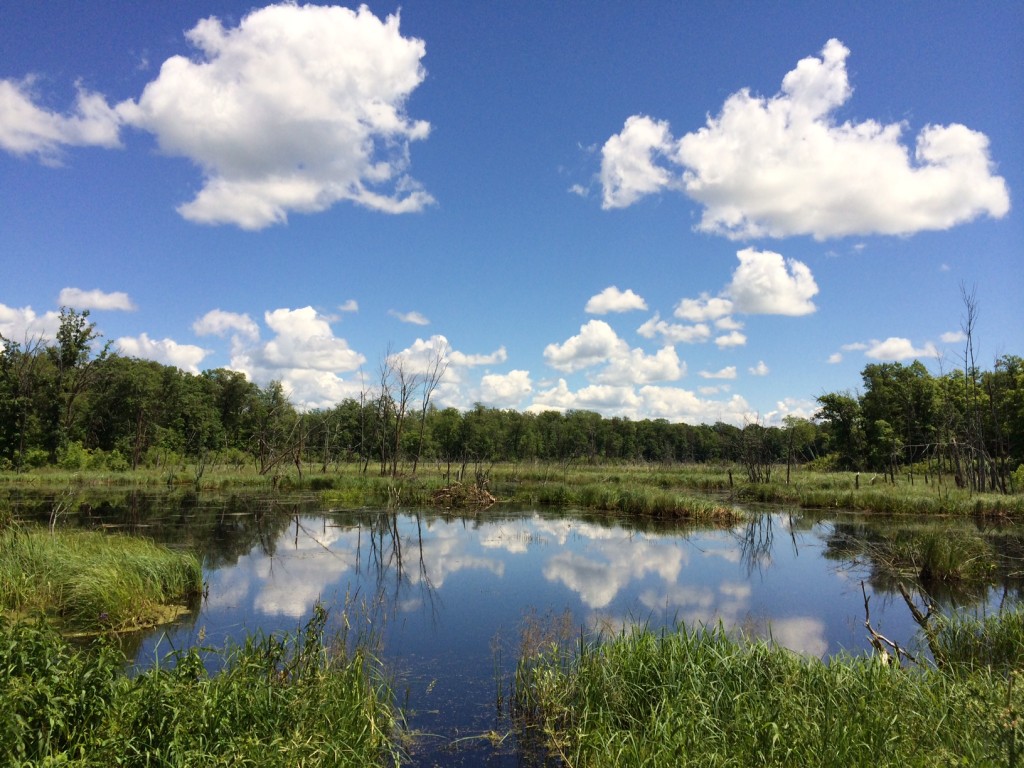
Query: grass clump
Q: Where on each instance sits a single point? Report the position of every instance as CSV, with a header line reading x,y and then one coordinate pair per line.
x,y
277,701
90,581
702,698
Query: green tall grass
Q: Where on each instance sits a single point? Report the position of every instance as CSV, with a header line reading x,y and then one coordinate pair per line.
x,y
702,698
93,581
289,700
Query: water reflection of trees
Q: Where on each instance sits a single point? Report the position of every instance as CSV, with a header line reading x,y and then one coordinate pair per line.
x,y
956,563
757,538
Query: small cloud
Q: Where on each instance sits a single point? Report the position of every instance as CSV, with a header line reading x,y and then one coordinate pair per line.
x,y
728,372
579,190
728,324
944,268
733,339
413,318
95,299
349,306
500,355
674,333
217,322
835,357
953,337
611,299
703,308
896,348
856,346
758,370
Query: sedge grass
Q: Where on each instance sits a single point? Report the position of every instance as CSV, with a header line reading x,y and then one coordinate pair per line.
x,y
90,581
703,698
290,700
639,486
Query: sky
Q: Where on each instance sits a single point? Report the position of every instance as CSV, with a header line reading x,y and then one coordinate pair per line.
x,y
701,211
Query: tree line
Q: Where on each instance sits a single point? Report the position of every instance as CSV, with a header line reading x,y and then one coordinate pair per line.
x,y
73,403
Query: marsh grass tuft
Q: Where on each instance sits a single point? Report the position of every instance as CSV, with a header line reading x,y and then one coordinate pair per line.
x,y
278,700
93,581
700,697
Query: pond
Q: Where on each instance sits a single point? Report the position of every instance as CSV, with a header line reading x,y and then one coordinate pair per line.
x,y
446,599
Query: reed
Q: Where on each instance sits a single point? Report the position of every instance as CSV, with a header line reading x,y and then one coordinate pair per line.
x,y
994,642
702,698
90,581
276,701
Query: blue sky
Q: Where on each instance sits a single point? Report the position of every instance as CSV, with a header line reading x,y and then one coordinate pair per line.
x,y
692,211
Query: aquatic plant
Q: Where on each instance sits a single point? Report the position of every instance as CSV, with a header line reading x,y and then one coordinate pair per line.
x,y
699,697
278,700
93,581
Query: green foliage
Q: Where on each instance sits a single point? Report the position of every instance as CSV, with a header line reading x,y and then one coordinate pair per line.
x,y
700,698
90,581
277,701
993,642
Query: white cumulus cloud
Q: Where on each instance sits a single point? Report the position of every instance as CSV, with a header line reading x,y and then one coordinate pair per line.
x,y
674,333
783,166
703,308
731,339
22,325
766,284
187,357
758,370
728,372
505,390
217,322
95,299
595,343
293,110
611,299
634,366
413,318
896,348
28,129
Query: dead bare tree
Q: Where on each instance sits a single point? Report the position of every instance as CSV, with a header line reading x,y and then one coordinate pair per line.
x,y
437,366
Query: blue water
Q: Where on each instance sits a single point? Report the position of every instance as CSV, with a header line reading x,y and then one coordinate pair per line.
x,y
446,599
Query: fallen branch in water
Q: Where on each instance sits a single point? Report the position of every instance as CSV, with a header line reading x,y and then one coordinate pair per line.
x,y
879,641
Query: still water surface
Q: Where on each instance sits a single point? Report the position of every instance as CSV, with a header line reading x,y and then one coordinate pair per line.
x,y
447,597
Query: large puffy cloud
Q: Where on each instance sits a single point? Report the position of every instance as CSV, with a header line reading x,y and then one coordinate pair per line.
x,y
23,326
95,299
304,339
595,343
303,354
27,129
766,284
611,299
646,402
782,166
217,322
296,108
637,367
598,344
166,351
505,390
